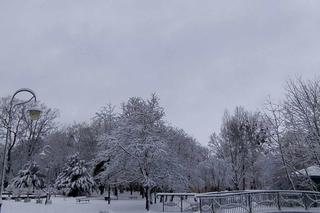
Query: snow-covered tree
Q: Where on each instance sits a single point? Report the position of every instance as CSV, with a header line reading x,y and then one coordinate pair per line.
x,y
215,173
188,153
242,143
104,122
137,151
84,138
28,178
293,130
275,121
75,180
302,114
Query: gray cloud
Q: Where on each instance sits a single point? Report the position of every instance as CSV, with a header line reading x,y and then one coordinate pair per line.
x,y
201,57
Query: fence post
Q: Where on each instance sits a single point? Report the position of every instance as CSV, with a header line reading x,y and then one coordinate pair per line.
x,y
304,197
181,209
249,203
162,196
278,201
200,203
212,206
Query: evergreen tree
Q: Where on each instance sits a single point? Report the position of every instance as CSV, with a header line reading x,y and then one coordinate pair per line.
x,y
29,177
75,180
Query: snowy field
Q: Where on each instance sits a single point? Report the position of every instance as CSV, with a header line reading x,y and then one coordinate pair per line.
x,y
69,205
99,205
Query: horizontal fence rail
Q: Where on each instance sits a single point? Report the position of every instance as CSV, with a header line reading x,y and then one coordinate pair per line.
x,y
178,202
254,201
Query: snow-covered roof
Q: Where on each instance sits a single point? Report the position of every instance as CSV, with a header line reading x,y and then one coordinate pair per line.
x,y
312,171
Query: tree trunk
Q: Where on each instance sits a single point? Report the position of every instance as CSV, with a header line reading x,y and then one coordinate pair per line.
x,y
142,192
109,195
285,165
244,177
8,169
116,191
131,189
101,189
121,189
147,198
150,197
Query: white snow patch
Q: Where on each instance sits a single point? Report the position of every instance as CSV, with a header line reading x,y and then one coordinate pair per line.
x,y
69,205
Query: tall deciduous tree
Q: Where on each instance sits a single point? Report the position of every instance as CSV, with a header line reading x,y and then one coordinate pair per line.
x,y
242,139
302,111
275,121
136,149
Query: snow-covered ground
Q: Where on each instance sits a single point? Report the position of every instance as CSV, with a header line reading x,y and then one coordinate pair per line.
x,y
69,205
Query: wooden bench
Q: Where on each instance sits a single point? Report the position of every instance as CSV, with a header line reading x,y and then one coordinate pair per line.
x,y
85,200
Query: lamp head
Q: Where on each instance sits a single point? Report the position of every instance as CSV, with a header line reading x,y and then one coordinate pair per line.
x,y
34,113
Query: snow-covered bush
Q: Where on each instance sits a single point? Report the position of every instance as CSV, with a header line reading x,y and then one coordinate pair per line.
x,y
28,178
75,180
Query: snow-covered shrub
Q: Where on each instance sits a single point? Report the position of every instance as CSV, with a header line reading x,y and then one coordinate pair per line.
x,y
28,178
75,180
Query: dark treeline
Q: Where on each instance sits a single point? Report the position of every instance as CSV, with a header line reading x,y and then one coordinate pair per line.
x,y
137,150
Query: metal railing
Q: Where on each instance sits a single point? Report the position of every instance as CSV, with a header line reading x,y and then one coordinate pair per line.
x,y
242,201
178,202
259,201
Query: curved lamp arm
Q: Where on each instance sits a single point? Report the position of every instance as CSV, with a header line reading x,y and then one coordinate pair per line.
x,y
24,102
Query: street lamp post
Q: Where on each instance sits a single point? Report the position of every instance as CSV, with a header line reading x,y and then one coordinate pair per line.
x,y
47,149
34,115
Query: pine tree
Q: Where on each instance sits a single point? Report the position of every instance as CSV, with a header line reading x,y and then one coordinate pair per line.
x,y
29,177
75,180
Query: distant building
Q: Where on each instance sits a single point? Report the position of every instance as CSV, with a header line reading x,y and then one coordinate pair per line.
x,y
314,173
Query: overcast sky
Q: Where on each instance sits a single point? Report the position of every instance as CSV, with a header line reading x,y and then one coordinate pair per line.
x,y
201,57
